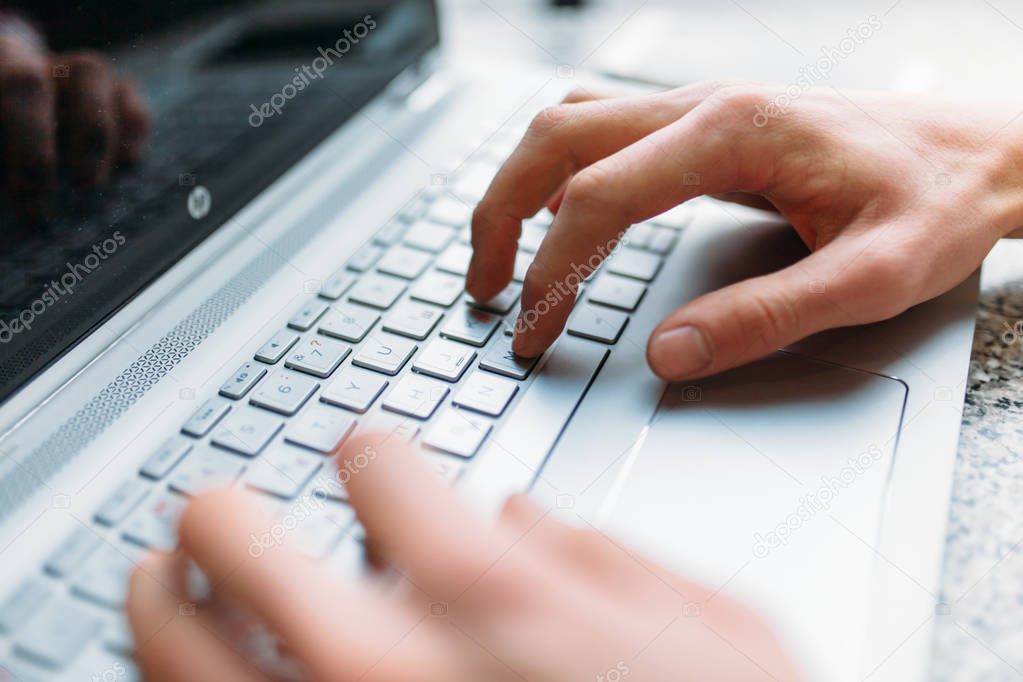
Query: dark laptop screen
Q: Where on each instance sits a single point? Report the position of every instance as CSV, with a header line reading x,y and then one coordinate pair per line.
x,y
129,131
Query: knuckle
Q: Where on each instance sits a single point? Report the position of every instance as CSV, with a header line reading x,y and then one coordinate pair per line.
x,y
550,120
589,185
87,64
773,316
577,94
743,100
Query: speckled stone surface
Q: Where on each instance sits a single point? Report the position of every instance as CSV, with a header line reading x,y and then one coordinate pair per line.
x,y
980,636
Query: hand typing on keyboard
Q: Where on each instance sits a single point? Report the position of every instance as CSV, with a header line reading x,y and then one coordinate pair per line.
x,y
526,597
60,113
898,198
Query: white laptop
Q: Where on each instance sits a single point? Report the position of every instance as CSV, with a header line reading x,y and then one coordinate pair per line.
x,y
286,267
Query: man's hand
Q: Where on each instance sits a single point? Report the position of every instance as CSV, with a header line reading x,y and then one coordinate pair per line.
x,y
65,113
898,198
525,598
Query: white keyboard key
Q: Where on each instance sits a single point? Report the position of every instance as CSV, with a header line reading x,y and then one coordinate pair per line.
x,y
12,670
523,259
485,393
450,211
394,426
377,291
274,349
166,457
501,360
445,468
284,392
124,499
247,431
354,389
206,417
531,237
103,579
455,259
391,233
317,355
384,353
675,218
430,237
411,319
457,433
326,485
349,322
504,301
22,602
617,292
118,637
320,428
444,359
470,325
438,288
415,396
337,284
154,525
662,240
284,470
472,181
305,318
404,262
636,264
57,633
323,529
363,259
205,468
597,324
71,553
242,381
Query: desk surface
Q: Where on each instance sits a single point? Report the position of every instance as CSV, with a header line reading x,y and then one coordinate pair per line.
x,y
980,634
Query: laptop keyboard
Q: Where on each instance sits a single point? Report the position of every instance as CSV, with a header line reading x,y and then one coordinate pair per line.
x,y
391,342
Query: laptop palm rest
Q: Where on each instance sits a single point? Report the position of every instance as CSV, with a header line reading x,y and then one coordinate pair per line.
x,y
770,482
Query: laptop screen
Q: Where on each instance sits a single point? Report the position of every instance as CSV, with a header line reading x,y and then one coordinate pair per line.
x,y
129,131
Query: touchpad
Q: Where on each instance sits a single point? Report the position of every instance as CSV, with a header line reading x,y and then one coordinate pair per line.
x,y
770,481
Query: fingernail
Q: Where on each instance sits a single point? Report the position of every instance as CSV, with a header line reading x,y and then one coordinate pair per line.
x,y
679,353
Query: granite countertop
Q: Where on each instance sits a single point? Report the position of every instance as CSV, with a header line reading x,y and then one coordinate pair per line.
x,y
980,635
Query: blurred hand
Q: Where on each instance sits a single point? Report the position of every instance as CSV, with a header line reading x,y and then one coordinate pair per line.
x,y
526,598
899,198
66,113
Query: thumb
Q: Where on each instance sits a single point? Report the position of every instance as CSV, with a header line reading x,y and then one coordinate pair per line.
x,y
745,321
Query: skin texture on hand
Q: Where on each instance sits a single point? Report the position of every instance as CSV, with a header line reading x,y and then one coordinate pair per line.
x,y
62,114
899,199
524,598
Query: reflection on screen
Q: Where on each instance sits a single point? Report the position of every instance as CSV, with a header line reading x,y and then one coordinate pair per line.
x,y
133,130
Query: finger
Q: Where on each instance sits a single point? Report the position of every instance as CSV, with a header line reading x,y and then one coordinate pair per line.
x,y
632,185
836,286
132,122
28,128
561,141
163,629
445,550
322,621
87,112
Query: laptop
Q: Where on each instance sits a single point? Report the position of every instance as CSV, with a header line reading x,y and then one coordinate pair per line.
x,y
285,267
